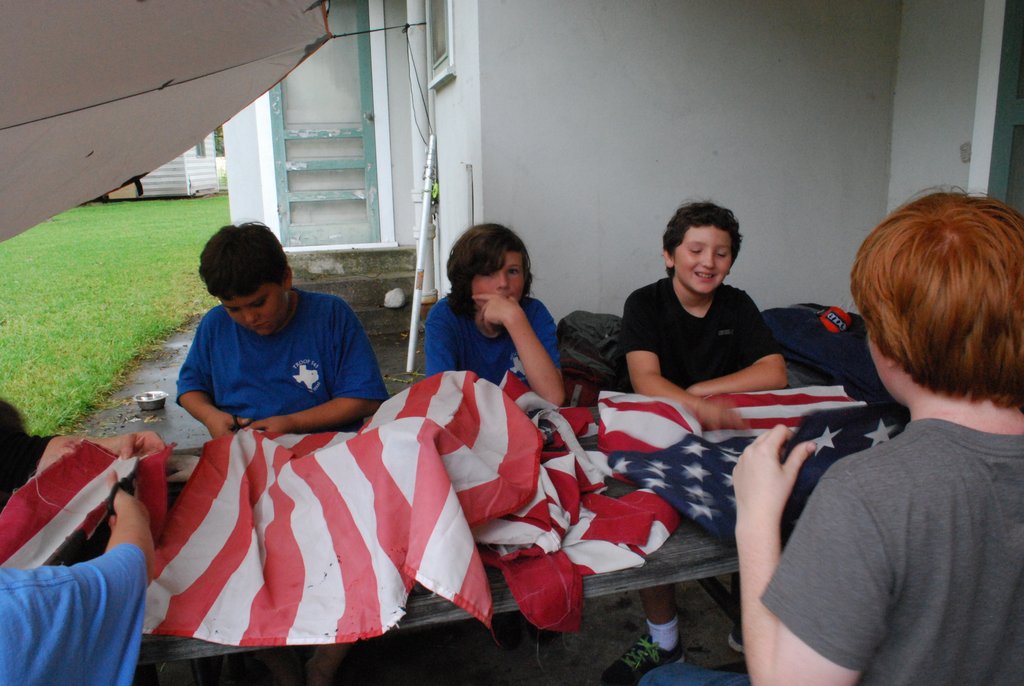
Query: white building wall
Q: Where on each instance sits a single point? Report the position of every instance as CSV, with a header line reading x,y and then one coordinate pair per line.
x,y
458,120
167,180
185,175
201,172
249,154
936,88
987,94
599,118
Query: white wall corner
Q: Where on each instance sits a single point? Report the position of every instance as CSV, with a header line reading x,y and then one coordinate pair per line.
x,y
249,156
987,95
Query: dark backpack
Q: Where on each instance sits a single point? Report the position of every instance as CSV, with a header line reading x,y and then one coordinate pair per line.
x,y
821,349
588,345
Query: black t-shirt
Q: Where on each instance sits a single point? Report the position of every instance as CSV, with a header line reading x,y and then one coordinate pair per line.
x,y
730,337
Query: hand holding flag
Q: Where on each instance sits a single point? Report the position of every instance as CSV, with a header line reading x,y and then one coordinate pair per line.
x,y
763,478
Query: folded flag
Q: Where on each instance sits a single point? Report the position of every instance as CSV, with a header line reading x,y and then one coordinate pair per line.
x,y
693,469
837,434
568,530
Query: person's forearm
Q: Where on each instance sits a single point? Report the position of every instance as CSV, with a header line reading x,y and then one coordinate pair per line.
x,y
130,524
759,548
544,377
767,374
327,416
217,422
763,484
657,386
57,447
200,405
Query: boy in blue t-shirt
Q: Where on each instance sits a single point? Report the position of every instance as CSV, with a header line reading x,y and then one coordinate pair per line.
x,y
489,324
272,357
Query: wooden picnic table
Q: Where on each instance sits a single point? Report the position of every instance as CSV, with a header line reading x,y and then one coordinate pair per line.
x,y
690,553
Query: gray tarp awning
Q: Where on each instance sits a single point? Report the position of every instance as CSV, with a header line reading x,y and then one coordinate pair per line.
x,y
95,93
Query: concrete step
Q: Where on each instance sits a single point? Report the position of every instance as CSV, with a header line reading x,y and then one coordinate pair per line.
x,y
361,278
329,265
360,291
381,321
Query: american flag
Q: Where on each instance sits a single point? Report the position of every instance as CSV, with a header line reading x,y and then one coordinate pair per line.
x,y
319,539
280,539
70,498
569,529
658,445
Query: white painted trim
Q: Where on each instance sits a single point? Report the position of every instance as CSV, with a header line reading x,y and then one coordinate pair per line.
x,y
268,186
382,124
342,246
987,96
441,76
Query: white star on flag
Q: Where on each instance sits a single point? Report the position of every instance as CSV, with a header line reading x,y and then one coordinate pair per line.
x,y
700,511
699,494
695,449
695,471
654,483
729,457
825,440
882,434
658,467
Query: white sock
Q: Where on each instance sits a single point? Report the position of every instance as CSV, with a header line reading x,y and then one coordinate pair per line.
x,y
665,635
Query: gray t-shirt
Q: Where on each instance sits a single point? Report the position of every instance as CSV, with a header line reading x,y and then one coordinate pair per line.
x,y
908,563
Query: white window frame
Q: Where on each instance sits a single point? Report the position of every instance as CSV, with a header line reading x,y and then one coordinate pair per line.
x,y
442,66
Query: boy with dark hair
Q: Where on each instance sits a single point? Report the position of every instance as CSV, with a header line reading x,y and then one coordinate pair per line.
x,y
686,337
270,356
907,566
237,260
276,358
489,324
690,336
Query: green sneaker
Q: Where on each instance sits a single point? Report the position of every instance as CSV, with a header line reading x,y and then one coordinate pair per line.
x,y
644,656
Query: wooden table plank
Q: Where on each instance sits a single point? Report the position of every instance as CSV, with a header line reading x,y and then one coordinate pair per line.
x,y
690,553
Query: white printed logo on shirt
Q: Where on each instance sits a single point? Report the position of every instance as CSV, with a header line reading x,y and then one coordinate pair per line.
x,y
307,374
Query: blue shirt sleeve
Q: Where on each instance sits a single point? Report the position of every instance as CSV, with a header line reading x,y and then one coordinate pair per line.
x,y
440,340
356,369
195,373
544,326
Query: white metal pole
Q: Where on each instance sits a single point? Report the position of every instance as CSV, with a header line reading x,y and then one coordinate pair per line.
x,y
421,255
419,76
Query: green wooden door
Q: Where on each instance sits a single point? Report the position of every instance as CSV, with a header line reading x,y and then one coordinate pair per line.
x,y
1006,178
323,135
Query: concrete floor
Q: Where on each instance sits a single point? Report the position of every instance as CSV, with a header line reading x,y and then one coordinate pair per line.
x,y
458,654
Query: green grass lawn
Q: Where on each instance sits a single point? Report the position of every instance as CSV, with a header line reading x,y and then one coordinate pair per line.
x,y
88,292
